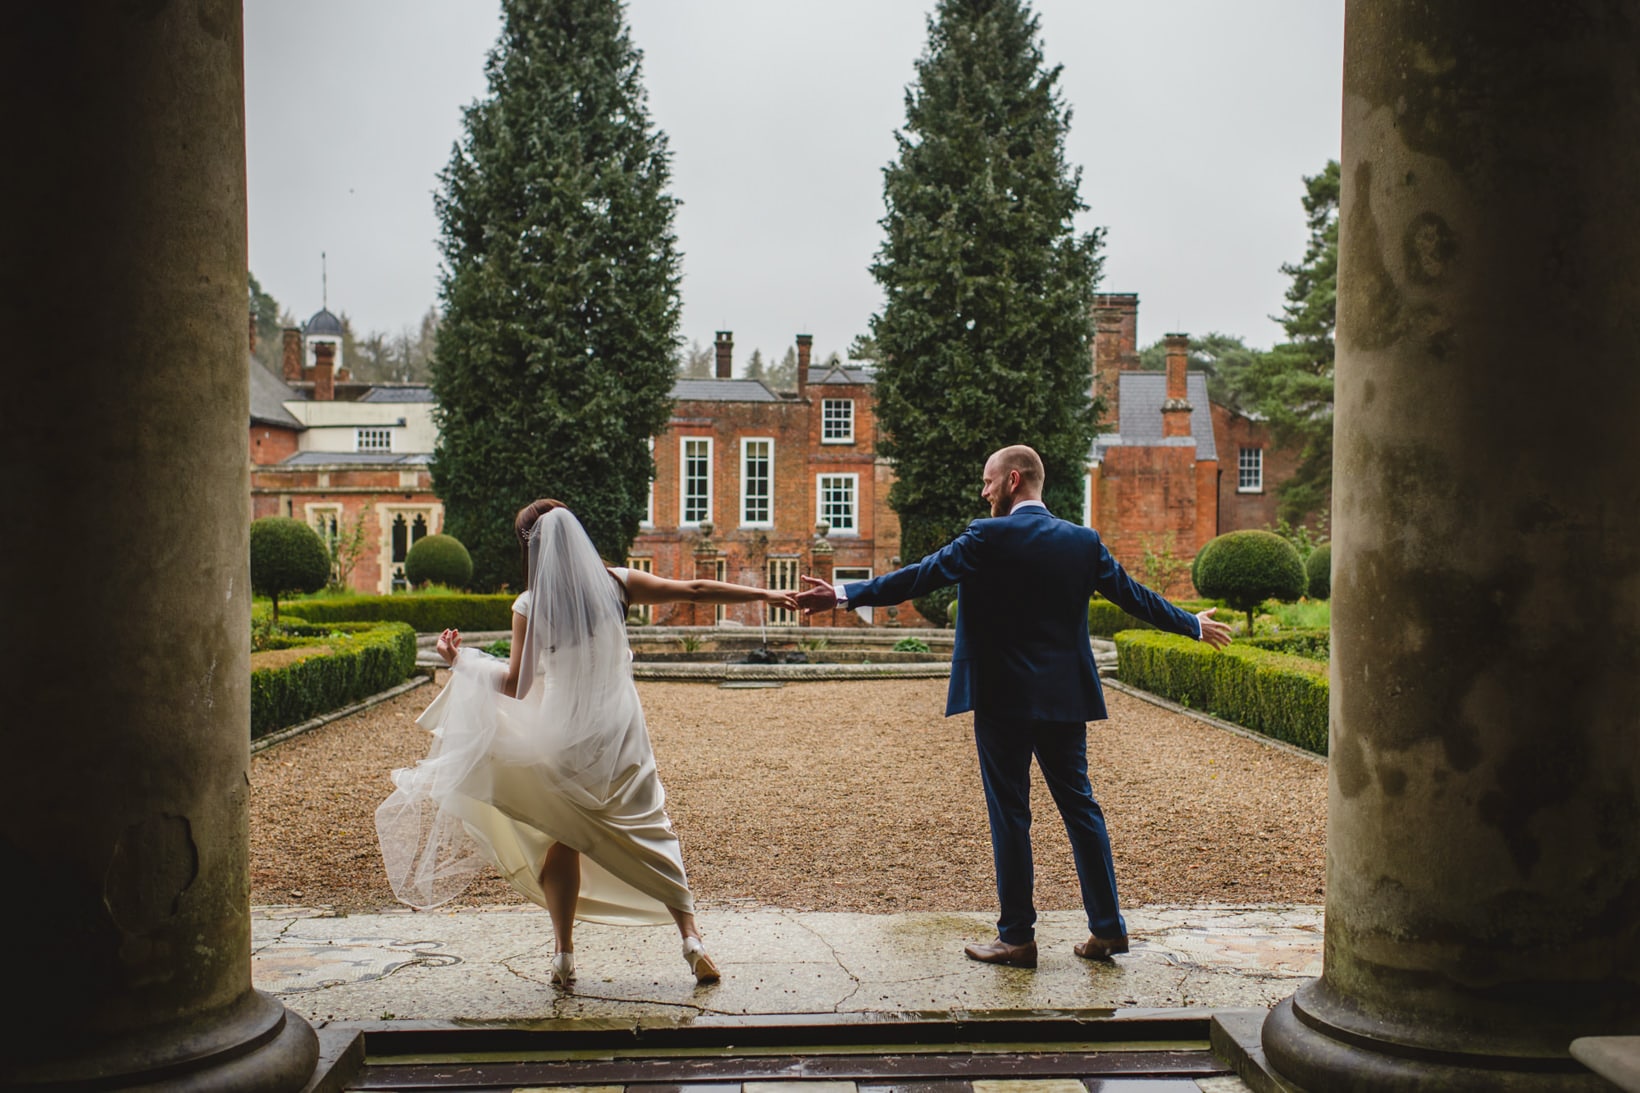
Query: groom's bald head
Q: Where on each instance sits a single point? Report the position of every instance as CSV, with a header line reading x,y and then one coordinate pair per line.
x,y
1021,458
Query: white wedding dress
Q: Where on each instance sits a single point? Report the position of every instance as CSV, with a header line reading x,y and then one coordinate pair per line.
x,y
568,761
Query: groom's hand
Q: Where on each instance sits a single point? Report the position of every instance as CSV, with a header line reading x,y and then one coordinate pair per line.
x,y
1214,632
819,596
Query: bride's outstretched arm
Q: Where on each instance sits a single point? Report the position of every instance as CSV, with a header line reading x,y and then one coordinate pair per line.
x,y
450,648
647,588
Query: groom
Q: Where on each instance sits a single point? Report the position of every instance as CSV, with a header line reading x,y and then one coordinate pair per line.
x,y
1024,665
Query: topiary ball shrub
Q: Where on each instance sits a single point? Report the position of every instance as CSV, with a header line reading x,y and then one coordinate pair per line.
x,y
440,559
1196,566
286,556
1318,569
1245,568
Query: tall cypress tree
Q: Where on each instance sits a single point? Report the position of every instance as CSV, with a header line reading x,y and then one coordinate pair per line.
x,y
985,334
555,356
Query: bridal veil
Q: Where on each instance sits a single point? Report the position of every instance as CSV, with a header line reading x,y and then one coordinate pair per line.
x,y
568,760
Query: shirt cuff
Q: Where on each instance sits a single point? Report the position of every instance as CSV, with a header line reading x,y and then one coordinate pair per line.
x,y
842,598
1198,619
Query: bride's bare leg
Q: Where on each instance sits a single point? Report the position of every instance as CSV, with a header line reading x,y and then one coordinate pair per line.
x,y
561,882
699,963
686,922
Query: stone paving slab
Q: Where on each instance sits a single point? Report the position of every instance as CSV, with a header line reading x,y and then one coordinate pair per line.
x,y
492,964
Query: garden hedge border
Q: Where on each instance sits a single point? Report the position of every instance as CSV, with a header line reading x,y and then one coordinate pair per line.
x,y
371,657
426,614
1279,695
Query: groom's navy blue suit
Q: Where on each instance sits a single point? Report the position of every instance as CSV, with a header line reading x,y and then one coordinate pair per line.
x,y
1023,664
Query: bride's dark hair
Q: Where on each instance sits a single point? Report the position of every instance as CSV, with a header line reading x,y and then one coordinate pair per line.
x,y
524,523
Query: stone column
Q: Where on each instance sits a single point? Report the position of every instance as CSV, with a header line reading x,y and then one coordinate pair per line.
x,y
1483,877
123,822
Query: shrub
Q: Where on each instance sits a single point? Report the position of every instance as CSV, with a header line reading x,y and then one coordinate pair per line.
x,y
1105,619
911,645
1315,644
286,556
1318,571
364,661
1245,568
427,614
1281,696
938,607
440,559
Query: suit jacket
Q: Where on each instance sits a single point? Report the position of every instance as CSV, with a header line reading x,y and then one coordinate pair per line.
x,y
1024,581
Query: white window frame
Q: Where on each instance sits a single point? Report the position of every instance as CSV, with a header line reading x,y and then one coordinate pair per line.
x,y
850,574
854,497
644,611
1250,472
683,481
768,495
826,405
375,432
780,573
648,520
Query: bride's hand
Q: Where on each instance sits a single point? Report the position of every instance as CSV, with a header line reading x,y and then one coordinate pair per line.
x,y
774,597
449,644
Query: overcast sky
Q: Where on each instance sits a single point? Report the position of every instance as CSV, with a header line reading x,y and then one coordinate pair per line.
x,y
1194,122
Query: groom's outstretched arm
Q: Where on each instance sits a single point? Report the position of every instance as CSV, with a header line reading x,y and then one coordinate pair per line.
x,y
951,563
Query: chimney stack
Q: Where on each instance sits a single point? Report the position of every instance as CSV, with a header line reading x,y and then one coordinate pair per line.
x,y
291,363
324,372
725,354
805,347
1176,409
1115,349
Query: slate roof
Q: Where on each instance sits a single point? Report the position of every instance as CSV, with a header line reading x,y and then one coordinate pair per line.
x,y
268,395
1140,425
723,391
840,374
311,459
414,392
323,322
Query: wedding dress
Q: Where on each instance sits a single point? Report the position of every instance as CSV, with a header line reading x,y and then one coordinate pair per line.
x,y
568,761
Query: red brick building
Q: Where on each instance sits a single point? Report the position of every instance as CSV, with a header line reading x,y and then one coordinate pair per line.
x,y
341,456
758,487
1175,469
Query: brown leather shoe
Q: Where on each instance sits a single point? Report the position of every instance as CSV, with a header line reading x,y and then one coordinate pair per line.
x,y
1101,948
1000,952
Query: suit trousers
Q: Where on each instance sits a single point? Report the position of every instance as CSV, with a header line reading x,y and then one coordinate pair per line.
x,y
1061,750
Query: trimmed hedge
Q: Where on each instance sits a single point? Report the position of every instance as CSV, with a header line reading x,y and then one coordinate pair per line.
x,y
367,659
1314,644
1105,619
426,614
1279,695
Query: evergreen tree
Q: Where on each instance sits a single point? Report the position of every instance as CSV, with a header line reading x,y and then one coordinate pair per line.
x,y
754,366
1292,384
864,349
1216,355
695,363
555,356
783,376
271,321
985,333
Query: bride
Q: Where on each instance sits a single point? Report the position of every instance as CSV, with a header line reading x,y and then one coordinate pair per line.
x,y
541,766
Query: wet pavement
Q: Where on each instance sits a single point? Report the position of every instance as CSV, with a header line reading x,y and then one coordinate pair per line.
x,y
492,964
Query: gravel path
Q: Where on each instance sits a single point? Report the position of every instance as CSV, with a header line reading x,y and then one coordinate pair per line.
x,y
841,796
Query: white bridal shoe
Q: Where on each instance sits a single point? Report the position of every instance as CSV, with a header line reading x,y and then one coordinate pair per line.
x,y
699,963
563,969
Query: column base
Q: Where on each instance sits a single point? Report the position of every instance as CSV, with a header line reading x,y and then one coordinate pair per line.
x,y
254,1045
1304,1053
